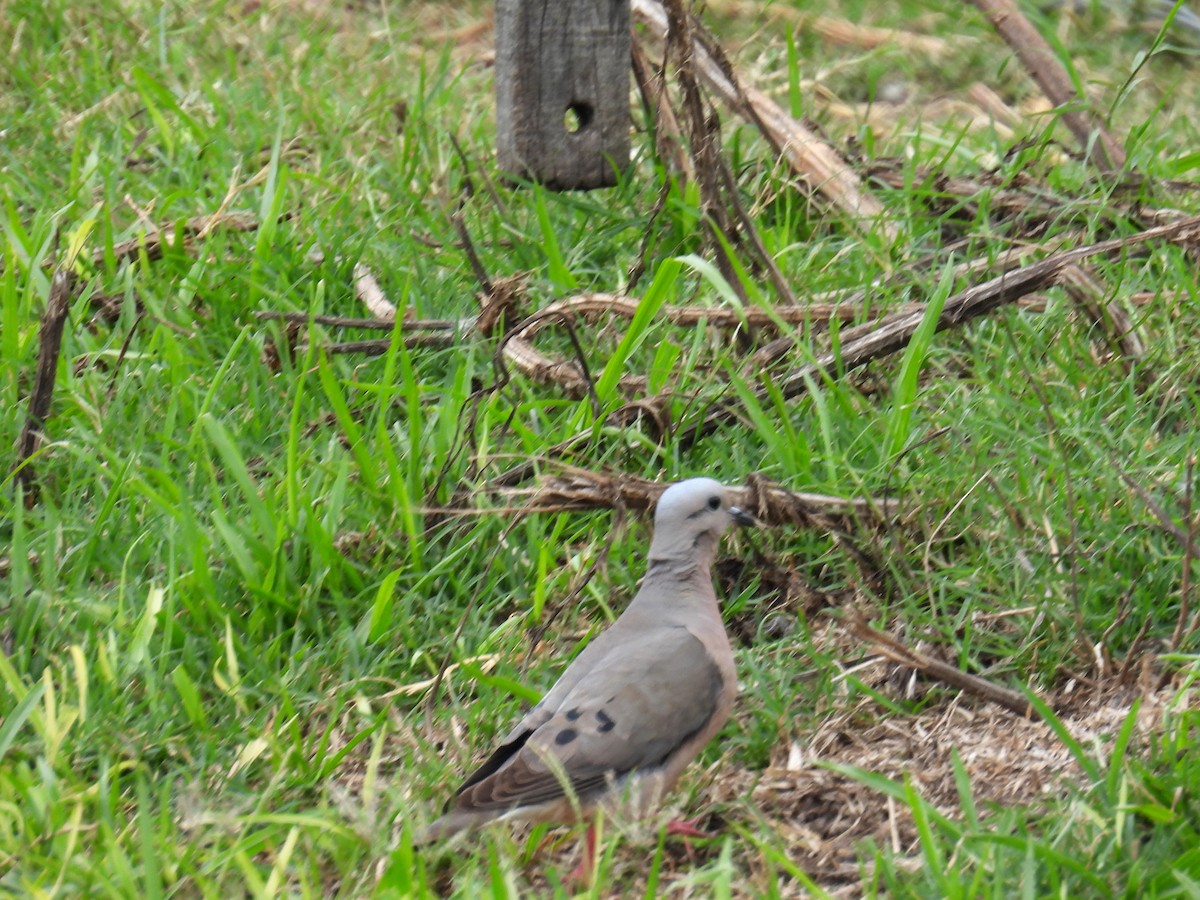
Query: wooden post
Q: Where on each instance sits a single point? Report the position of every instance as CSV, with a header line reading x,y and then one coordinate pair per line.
x,y
562,90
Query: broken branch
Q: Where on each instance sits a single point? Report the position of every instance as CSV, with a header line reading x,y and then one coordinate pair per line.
x,y
49,348
899,653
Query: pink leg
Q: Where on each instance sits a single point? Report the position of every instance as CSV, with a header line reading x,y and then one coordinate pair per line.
x,y
582,873
687,828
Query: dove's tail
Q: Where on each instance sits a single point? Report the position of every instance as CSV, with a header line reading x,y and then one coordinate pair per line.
x,y
452,823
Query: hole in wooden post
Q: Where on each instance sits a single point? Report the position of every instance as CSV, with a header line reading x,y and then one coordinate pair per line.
x,y
578,117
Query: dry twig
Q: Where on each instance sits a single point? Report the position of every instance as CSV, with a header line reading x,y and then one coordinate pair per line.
x,y
770,503
1184,628
450,326
898,652
1035,54
589,306
369,291
865,343
810,156
1085,288
668,136
40,397
156,240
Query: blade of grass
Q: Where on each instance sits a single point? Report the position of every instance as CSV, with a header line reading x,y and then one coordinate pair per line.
x,y
18,716
904,391
663,285
1086,762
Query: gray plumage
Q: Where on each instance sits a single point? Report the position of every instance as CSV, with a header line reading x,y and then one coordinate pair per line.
x,y
637,704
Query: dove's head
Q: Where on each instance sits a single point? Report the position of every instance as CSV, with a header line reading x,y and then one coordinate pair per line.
x,y
691,517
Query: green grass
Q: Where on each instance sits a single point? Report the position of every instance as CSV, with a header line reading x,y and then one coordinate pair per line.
x,y
211,616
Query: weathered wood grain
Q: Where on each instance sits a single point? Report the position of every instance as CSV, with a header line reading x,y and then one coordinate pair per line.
x,y
562,90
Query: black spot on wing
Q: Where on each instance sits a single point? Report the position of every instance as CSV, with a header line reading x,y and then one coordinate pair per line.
x,y
605,720
573,714
517,777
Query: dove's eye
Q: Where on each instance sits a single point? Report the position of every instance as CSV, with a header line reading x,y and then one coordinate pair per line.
x,y
714,502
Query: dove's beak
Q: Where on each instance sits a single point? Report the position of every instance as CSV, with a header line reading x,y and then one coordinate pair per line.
x,y
742,517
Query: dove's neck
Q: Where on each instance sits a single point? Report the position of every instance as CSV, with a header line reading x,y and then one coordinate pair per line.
x,y
676,570
689,563
694,548
675,591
